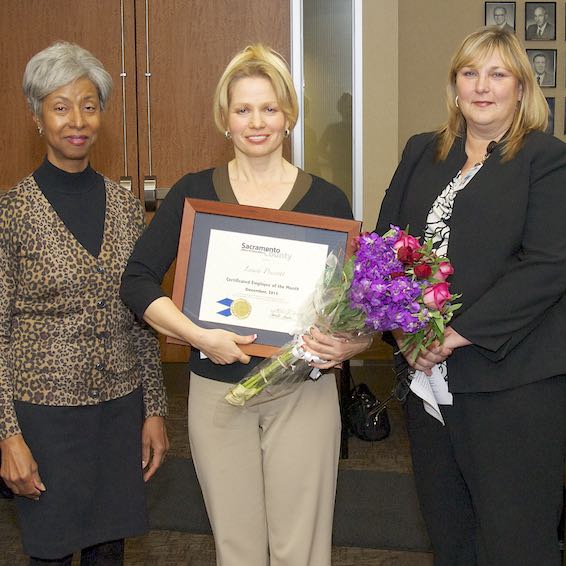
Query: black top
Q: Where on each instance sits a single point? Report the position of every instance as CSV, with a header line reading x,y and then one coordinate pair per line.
x,y
157,247
79,199
508,249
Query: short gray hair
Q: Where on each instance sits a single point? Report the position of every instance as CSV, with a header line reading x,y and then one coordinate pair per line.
x,y
57,66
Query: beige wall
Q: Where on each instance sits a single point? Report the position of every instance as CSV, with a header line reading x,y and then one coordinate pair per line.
x,y
381,108
429,32
407,49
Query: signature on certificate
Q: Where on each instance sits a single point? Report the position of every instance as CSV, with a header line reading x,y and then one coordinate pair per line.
x,y
283,313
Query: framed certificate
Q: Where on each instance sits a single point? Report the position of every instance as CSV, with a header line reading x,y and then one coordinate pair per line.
x,y
252,270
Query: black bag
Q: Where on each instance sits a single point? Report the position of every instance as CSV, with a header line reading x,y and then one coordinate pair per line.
x,y
366,417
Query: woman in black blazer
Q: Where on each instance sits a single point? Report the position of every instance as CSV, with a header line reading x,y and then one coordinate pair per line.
x,y
490,188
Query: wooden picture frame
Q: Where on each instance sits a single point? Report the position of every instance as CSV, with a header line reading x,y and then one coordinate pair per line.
x,y
540,14
543,61
211,228
501,14
550,100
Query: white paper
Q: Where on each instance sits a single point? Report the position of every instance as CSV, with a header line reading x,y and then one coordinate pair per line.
x,y
259,281
439,383
433,390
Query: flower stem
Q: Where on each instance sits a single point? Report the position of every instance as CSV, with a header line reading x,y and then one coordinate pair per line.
x,y
265,376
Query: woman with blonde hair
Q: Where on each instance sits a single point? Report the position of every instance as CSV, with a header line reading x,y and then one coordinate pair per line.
x,y
488,188
268,472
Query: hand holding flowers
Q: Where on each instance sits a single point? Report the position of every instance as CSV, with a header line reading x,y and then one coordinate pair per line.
x,y
424,347
391,283
334,349
424,359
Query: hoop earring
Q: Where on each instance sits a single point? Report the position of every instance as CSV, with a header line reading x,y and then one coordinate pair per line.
x,y
456,102
287,132
228,135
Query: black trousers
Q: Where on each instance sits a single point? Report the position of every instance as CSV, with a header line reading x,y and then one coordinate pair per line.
x,y
490,481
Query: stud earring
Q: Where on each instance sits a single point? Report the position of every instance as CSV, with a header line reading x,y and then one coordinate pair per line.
x,y
228,135
287,132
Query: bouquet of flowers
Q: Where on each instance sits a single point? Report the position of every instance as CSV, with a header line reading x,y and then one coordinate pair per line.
x,y
390,282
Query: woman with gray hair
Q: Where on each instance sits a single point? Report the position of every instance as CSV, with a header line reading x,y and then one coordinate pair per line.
x,y
81,393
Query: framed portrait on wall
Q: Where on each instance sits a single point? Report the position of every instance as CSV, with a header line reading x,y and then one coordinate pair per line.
x,y
540,21
550,127
500,14
543,63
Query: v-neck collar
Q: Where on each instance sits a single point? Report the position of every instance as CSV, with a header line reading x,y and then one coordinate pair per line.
x,y
225,192
65,232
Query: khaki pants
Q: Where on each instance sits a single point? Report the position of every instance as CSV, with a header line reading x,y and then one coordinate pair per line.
x,y
268,472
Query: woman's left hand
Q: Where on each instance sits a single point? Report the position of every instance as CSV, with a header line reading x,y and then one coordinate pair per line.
x,y
334,349
436,353
155,445
454,340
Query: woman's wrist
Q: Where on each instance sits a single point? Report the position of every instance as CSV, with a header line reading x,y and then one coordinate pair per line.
x,y
195,335
453,339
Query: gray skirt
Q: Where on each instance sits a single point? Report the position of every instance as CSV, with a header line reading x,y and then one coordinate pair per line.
x,y
89,459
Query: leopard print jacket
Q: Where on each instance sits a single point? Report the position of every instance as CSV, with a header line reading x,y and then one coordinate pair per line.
x,y
66,339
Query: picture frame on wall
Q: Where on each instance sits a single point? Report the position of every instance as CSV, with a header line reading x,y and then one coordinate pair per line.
x,y
540,21
500,14
543,63
551,106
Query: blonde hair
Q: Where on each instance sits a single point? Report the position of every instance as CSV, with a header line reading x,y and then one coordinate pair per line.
x,y
532,109
256,60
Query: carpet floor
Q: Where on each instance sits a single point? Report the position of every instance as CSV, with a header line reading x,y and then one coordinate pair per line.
x,y
374,509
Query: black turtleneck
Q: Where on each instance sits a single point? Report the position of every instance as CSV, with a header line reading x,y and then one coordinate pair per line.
x,y
79,199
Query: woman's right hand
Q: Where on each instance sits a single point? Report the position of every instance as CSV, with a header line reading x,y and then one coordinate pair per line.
x,y
19,470
436,353
222,346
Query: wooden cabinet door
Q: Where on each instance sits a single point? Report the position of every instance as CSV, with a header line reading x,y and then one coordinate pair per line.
x,y
188,45
178,47
27,26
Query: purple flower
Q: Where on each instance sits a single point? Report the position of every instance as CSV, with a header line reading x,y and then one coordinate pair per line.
x,y
378,288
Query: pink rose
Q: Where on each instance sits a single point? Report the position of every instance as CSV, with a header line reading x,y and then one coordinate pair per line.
x,y
436,296
406,247
444,271
406,241
422,271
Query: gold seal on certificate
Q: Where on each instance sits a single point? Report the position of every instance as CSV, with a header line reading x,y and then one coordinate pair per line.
x,y
240,308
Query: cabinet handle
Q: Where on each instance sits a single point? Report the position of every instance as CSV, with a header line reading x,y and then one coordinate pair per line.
x,y
125,182
125,179
150,193
148,90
